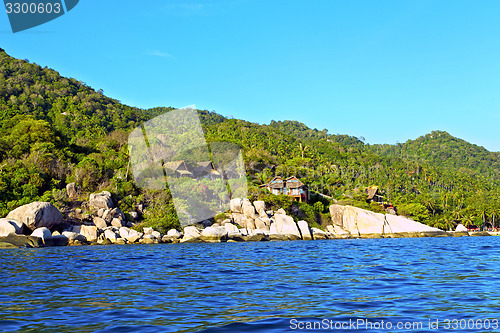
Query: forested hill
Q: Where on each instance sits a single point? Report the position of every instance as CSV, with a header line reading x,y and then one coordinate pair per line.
x,y
443,150
56,130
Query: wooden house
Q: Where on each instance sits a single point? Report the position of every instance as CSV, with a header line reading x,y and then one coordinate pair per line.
x,y
373,194
206,169
177,169
291,187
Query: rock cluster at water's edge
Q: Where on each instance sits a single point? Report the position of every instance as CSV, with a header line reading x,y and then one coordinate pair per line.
x,y
41,224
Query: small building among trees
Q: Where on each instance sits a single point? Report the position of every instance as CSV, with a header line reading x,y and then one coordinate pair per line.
x,y
290,186
177,169
373,194
206,169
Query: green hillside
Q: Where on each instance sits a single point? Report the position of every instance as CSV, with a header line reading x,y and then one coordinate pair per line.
x,y
56,130
441,149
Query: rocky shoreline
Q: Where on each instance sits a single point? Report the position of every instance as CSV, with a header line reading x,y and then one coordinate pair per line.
x,y
37,224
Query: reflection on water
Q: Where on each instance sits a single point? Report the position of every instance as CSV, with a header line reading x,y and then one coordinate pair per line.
x,y
257,287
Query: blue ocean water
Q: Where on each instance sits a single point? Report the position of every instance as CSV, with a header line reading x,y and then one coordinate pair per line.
x,y
299,286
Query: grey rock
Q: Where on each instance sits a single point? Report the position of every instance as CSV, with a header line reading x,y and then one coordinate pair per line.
x,y
71,190
191,233
43,233
117,223
249,209
100,223
318,234
304,230
214,234
10,226
337,213
90,232
231,228
110,235
37,214
285,225
281,211
117,214
236,205
262,224
174,233
107,216
259,205
101,200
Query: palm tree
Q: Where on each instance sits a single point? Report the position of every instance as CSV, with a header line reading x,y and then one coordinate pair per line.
x,y
264,177
303,149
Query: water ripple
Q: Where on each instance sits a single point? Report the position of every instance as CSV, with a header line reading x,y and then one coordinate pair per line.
x,y
247,287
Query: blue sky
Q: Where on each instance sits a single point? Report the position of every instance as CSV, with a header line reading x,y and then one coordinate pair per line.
x,y
385,70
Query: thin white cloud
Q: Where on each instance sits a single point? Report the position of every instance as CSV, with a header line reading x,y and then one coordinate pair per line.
x,y
157,53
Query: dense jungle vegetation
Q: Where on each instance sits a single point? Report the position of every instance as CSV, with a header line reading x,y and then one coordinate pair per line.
x,y
56,130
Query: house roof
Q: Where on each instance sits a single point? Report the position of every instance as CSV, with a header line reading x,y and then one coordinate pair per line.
x,y
278,183
206,164
175,165
293,182
372,191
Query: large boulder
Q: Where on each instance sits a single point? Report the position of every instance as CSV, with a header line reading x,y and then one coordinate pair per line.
x,y
10,226
130,235
318,234
400,224
59,240
262,224
118,214
461,228
360,222
117,223
42,232
281,211
337,213
259,205
13,240
236,205
214,234
110,235
191,233
101,200
37,214
285,225
74,237
100,223
338,231
304,230
174,233
90,232
240,219
231,228
249,209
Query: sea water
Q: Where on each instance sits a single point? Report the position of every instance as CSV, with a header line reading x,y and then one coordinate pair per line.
x,y
369,285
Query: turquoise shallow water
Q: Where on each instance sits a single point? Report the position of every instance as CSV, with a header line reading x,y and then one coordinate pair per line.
x,y
252,287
